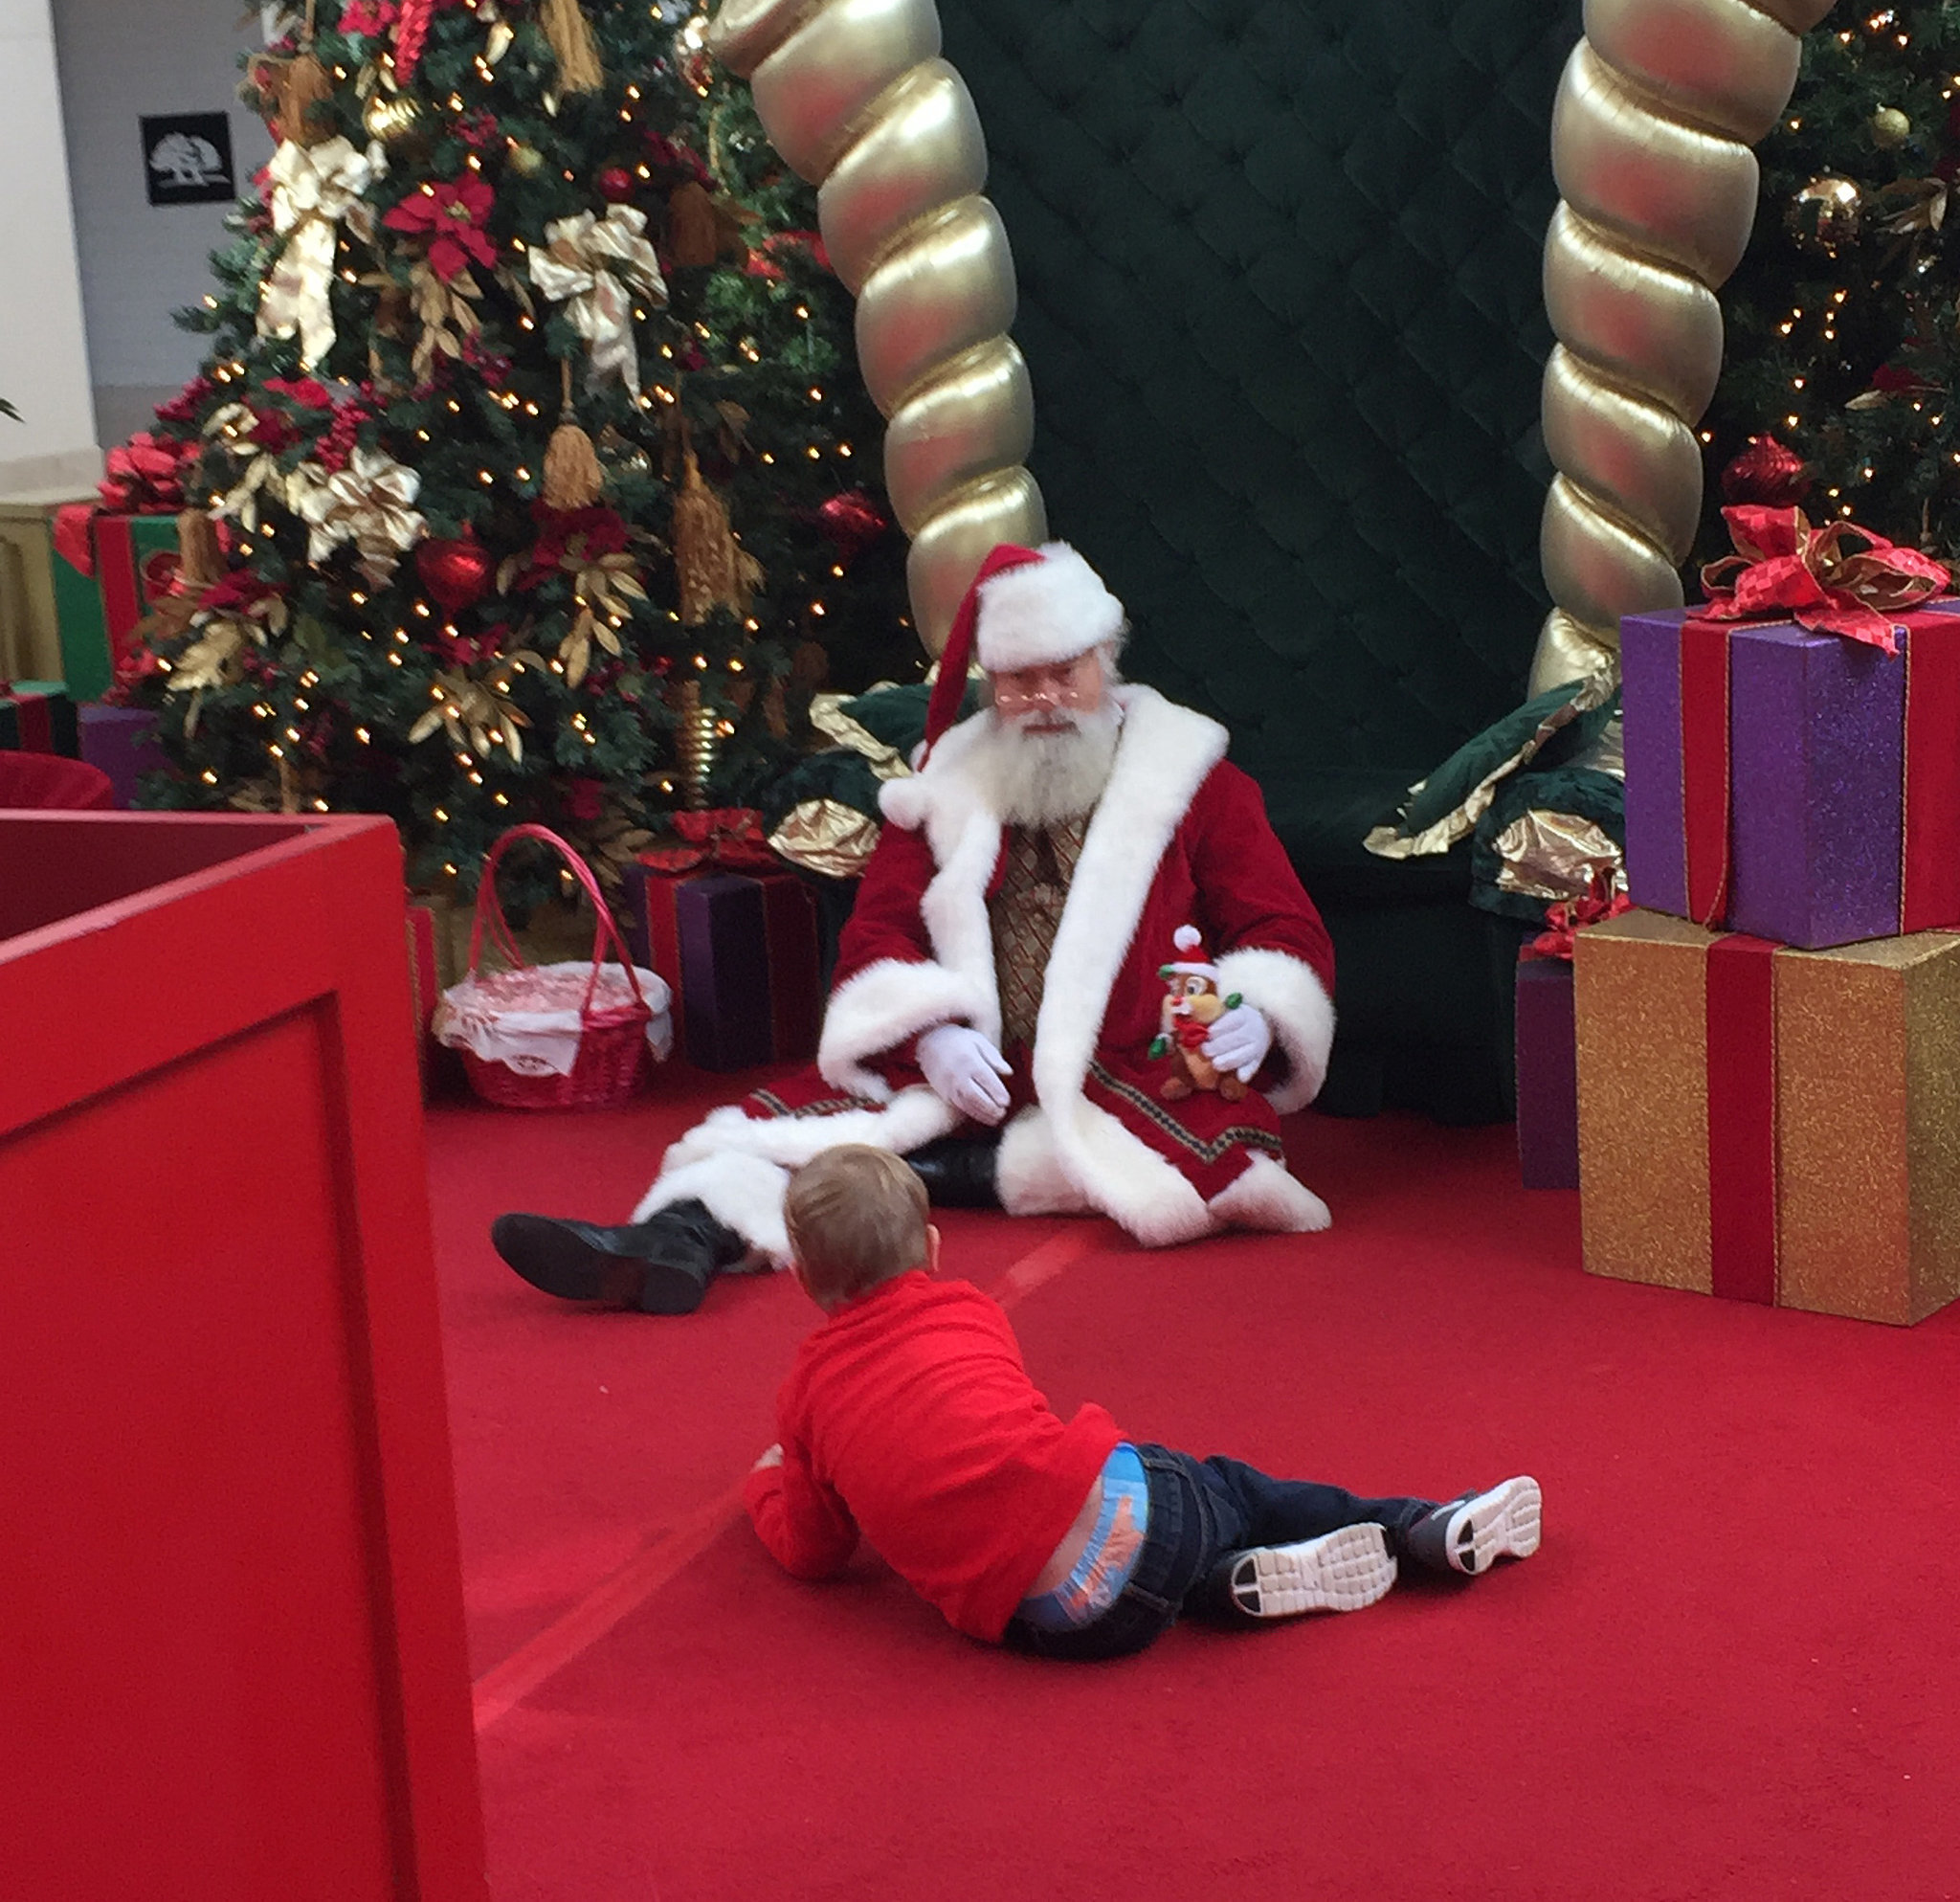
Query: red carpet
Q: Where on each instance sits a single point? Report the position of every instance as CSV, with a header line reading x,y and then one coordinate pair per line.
x,y
1733,1671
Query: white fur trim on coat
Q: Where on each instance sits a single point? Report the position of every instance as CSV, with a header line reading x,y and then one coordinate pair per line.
x,y
741,1192
746,1161
1164,756
1044,612
888,1003
1265,1195
1286,992
1026,1172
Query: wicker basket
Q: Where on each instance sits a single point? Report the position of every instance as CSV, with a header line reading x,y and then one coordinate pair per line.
x,y
619,1034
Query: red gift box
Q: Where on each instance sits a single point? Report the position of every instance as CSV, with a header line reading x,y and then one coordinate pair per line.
x,y
735,933
113,571
38,717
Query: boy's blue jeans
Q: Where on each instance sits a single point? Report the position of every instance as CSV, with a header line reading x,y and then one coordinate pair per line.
x,y
1202,1511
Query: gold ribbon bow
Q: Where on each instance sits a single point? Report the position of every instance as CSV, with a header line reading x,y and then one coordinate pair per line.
x,y
367,503
594,267
313,189
234,425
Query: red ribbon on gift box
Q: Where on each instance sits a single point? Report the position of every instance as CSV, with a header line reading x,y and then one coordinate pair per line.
x,y
1567,919
1741,1006
728,838
1786,569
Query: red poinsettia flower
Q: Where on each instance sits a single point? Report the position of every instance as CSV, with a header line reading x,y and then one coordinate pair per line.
x,y
308,392
183,408
451,214
763,260
272,432
586,533
238,590
146,475
370,17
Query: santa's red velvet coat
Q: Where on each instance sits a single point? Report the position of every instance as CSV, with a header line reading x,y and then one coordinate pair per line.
x,y
1179,837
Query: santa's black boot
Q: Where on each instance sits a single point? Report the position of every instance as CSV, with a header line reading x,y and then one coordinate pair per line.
x,y
661,1265
958,1172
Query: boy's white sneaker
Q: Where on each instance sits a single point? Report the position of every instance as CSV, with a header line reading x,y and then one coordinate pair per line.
x,y
1340,1571
1470,1534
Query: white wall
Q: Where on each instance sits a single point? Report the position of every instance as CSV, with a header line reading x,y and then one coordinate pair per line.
x,y
43,361
120,59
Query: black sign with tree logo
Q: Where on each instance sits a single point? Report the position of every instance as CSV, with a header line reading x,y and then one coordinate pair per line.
x,y
186,158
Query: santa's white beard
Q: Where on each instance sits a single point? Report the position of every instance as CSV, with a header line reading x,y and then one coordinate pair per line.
x,y
1044,778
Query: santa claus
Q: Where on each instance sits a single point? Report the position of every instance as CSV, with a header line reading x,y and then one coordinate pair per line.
x,y
999,985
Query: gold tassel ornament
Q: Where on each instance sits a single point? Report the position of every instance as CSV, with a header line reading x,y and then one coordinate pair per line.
x,y
571,35
200,561
705,557
301,85
694,232
573,475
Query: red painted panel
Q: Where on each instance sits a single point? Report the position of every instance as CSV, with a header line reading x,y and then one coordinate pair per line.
x,y
235,1661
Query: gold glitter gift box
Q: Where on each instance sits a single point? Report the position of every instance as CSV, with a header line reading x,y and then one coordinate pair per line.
x,y
1770,1124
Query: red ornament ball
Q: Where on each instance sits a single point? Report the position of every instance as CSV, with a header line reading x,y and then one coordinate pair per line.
x,y
852,521
615,184
1765,473
456,574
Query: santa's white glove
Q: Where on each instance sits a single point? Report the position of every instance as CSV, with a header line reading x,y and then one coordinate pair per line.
x,y
965,1071
1240,1040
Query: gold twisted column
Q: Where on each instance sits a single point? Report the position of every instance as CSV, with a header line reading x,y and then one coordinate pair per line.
x,y
1651,132
854,97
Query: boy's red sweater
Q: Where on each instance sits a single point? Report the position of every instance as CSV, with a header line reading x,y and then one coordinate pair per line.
x,y
909,1417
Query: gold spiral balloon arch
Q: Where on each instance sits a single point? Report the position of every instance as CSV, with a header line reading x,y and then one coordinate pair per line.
x,y
855,99
1656,111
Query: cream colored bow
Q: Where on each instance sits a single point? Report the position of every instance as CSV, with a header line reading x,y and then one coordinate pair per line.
x,y
313,189
234,425
581,266
367,503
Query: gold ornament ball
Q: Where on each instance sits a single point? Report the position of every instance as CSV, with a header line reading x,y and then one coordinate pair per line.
x,y
1825,214
526,161
391,117
1890,127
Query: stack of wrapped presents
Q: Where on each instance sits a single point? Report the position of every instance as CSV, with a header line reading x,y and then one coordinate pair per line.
x,y
1769,1042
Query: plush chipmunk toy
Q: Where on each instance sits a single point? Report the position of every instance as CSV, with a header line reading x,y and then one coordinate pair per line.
x,y
1191,1006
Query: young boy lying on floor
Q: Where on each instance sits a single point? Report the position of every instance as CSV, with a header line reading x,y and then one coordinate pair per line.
x,y
909,1418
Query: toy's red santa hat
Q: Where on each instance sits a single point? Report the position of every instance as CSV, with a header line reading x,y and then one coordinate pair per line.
x,y
1193,963
1026,607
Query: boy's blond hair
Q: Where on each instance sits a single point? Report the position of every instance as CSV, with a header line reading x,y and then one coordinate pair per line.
x,y
856,1216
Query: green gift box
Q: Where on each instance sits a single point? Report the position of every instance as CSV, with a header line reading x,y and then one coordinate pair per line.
x,y
109,571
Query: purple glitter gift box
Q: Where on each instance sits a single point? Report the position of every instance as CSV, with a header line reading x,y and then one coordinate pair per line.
x,y
1817,779
1548,1075
122,741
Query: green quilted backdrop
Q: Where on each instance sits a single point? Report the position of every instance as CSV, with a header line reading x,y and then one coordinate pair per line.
x,y
1279,266
1279,272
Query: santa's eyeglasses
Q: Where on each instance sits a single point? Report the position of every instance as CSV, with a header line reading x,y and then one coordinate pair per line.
x,y
1066,684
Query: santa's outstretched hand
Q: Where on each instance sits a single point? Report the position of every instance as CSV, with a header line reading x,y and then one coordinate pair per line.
x,y
965,1071
1240,1040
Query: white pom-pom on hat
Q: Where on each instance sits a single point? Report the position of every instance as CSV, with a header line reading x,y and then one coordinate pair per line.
x,y
1191,941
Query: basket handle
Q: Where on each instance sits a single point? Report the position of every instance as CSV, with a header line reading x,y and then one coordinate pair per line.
x,y
490,910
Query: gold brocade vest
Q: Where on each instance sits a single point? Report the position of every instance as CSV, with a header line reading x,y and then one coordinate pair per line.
x,y
1025,913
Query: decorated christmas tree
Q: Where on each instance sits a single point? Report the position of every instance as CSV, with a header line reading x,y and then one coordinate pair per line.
x,y
1842,343
534,476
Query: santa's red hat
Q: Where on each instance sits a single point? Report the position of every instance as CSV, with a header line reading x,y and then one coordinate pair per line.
x,y
1026,607
1193,963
